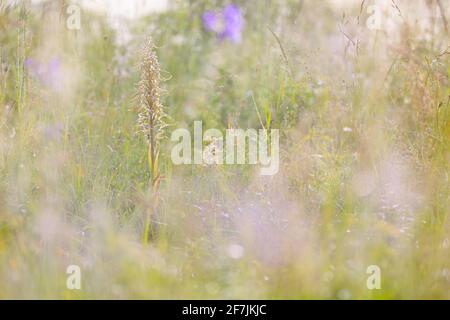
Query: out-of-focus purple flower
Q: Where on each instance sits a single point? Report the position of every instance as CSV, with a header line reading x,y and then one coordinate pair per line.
x,y
48,73
53,132
210,21
233,23
226,24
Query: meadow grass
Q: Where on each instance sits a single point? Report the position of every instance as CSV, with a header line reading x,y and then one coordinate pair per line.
x,y
364,164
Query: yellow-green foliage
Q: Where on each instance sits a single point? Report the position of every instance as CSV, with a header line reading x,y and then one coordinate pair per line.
x,y
364,119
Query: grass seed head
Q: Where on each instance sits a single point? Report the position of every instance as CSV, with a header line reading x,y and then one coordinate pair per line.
x,y
152,117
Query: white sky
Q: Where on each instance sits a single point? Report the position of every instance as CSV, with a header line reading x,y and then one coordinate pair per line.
x,y
120,8
126,8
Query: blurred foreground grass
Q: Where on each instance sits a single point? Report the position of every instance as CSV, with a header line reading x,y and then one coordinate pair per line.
x,y
364,170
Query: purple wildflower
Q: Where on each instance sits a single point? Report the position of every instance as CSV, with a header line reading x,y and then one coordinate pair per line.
x,y
226,24
47,73
210,21
233,23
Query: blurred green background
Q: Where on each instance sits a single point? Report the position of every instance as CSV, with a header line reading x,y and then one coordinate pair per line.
x,y
364,128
